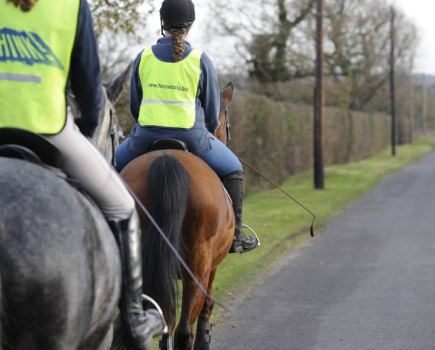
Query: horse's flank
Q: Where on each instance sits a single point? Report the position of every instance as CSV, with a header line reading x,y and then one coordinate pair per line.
x,y
207,194
190,204
209,221
59,266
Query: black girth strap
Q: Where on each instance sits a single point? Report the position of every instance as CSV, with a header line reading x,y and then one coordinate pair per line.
x,y
20,152
25,145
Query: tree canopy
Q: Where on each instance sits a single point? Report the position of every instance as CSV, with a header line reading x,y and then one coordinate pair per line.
x,y
120,16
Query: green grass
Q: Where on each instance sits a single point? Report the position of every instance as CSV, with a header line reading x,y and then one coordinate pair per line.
x,y
282,225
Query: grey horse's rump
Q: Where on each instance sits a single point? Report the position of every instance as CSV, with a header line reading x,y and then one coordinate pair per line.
x,y
59,264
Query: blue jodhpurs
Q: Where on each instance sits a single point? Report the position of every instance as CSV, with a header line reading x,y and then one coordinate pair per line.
x,y
205,146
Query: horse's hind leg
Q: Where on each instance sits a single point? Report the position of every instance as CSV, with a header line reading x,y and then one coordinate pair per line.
x,y
106,342
167,342
203,326
100,340
193,301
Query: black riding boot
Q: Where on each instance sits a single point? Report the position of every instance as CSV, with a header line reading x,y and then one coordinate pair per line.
x,y
234,185
140,326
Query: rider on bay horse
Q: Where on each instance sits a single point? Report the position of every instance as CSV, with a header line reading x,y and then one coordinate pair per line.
x,y
44,45
175,94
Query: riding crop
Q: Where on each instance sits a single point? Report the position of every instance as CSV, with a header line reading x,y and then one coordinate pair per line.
x,y
284,192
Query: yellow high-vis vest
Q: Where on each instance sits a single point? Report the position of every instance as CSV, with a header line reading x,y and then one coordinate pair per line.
x,y
169,90
35,55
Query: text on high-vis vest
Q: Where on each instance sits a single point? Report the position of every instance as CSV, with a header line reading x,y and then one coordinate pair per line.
x,y
27,48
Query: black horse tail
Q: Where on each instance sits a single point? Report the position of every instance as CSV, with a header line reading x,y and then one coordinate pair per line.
x,y
168,186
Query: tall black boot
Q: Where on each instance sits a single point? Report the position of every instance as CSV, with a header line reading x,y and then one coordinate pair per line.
x,y
140,325
234,185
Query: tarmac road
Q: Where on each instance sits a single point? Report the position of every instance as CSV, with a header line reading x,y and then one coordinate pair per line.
x,y
367,283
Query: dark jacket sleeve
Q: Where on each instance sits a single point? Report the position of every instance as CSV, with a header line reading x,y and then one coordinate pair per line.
x,y
85,76
209,94
136,93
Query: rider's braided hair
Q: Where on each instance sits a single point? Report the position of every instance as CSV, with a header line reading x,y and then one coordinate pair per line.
x,y
25,5
178,37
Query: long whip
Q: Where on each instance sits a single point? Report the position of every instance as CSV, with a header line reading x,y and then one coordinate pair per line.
x,y
284,192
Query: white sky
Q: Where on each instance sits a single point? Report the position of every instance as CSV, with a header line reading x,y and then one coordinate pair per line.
x,y
422,12
217,50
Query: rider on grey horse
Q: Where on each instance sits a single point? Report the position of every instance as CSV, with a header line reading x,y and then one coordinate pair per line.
x,y
52,53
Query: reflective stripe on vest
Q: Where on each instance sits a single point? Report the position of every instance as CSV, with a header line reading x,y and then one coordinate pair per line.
x,y
35,55
169,90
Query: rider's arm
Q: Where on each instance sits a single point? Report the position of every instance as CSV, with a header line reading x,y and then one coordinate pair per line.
x,y
135,89
209,94
85,77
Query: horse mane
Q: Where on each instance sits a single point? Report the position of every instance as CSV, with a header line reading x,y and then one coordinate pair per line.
x,y
119,83
108,132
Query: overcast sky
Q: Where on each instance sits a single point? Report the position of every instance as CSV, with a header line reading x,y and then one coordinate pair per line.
x,y
422,12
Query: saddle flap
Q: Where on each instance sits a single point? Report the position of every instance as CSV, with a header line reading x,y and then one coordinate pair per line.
x,y
17,143
168,144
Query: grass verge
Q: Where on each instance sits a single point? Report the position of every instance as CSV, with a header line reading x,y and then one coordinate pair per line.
x,y
282,225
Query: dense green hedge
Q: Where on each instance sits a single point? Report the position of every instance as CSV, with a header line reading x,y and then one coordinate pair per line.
x,y
277,137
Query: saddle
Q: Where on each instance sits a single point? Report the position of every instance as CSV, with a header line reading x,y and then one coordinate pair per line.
x,y
21,144
163,144
29,147
168,144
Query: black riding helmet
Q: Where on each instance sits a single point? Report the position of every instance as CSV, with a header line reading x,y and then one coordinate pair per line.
x,y
177,13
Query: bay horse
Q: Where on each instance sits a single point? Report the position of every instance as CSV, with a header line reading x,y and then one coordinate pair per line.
x,y
60,271
188,201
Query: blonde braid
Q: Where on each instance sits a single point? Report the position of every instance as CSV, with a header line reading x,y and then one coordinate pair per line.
x,y
25,5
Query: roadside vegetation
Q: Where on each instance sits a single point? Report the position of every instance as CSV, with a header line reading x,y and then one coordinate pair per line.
x,y
269,56
282,225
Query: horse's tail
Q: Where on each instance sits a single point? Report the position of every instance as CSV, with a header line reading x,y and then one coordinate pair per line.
x,y
168,186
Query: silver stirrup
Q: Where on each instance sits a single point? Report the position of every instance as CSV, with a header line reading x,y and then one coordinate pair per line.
x,y
255,234
159,310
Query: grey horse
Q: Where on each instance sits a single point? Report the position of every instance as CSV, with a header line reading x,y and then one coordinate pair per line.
x,y
60,273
